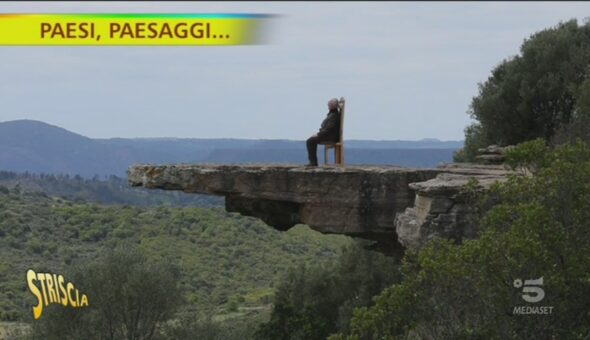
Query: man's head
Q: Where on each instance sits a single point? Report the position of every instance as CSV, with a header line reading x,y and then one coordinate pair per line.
x,y
333,104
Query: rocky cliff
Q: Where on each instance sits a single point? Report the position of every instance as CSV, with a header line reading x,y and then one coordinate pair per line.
x,y
444,206
396,207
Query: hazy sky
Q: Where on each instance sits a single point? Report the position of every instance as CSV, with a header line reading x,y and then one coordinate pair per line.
x,y
408,71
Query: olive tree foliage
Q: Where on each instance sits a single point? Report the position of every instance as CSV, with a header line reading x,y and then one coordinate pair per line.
x,y
533,94
539,229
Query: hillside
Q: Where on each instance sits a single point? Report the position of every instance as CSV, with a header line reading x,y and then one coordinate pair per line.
x,y
223,257
111,190
37,147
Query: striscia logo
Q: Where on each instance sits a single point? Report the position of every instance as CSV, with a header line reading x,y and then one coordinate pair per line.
x,y
53,289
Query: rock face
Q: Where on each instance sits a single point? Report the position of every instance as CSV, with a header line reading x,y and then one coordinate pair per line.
x,y
356,201
493,154
443,207
359,201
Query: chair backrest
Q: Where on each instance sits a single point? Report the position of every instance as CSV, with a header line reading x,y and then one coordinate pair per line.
x,y
341,106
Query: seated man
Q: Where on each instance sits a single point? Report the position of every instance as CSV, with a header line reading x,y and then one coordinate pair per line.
x,y
329,132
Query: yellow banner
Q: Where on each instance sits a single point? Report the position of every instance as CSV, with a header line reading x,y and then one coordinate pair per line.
x,y
131,29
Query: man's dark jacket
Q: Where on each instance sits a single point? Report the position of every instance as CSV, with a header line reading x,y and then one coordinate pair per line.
x,y
330,129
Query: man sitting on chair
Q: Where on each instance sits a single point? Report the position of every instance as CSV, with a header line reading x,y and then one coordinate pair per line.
x,y
329,132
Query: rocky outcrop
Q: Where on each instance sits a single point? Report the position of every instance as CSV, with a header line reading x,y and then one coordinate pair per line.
x,y
493,154
444,206
355,200
359,201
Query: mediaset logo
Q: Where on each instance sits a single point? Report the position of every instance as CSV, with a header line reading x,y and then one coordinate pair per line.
x,y
533,293
53,289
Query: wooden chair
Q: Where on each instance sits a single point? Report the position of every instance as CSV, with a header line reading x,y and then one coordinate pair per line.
x,y
337,146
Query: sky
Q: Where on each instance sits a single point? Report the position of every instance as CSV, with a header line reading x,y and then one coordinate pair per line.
x,y
407,70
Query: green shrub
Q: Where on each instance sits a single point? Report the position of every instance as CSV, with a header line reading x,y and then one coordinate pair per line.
x,y
533,94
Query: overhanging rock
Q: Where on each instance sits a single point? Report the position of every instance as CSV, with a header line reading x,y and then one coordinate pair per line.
x,y
355,200
359,201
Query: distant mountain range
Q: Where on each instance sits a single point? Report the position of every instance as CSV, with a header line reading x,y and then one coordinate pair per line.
x,y
37,147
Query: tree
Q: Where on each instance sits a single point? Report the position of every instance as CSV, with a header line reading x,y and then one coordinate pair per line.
x,y
313,302
129,297
533,94
579,125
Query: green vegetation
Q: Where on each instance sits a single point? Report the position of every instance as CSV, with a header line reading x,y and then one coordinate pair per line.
x,y
539,229
314,302
131,297
229,264
535,94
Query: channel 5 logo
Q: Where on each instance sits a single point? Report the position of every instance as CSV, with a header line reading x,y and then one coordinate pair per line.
x,y
532,291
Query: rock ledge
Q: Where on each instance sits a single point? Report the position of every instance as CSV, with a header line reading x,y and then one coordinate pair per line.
x,y
360,201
